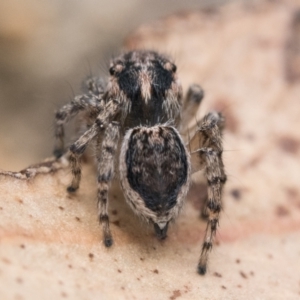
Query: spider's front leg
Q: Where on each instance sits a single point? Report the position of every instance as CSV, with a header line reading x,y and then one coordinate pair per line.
x,y
77,149
105,158
91,101
209,154
191,104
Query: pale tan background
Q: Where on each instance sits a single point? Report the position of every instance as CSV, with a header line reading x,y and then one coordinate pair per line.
x,y
46,49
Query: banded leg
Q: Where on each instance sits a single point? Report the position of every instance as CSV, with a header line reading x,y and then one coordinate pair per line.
x,y
69,111
77,149
209,135
105,157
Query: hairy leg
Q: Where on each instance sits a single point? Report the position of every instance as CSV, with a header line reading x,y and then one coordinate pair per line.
x,y
209,153
76,150
105,157
94,85
89,103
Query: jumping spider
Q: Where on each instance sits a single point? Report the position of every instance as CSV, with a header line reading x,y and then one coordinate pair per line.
x,y
142,103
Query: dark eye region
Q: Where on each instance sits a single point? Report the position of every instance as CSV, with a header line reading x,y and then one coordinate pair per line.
x,y
130,78
161,78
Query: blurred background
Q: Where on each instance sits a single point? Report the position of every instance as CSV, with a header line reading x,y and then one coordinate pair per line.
x,y
46,49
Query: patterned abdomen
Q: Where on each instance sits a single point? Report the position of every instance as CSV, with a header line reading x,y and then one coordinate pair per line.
x,y
154,171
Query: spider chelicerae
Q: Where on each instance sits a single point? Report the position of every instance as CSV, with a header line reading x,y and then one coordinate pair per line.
x,y
140,117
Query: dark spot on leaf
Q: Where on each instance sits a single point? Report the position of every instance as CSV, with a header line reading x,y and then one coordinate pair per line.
x,y
293,196
19,280
253,162
282,211
289,144
292,192
6,260
64,294
117,223
72,196
19,200
291,53
236,194
243,274
175,295
250,136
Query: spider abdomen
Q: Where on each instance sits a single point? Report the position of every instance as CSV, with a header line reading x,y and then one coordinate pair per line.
x,y
154,171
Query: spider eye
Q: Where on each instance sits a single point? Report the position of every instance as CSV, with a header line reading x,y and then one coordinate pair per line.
x,y
170,67
112,71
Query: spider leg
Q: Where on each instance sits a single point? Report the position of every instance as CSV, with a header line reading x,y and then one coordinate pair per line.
x,y
94,85
69,111
209,135
105,158
191,104
76,150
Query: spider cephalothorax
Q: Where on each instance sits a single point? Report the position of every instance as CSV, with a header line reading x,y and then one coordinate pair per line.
x,y
146,84
139,108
